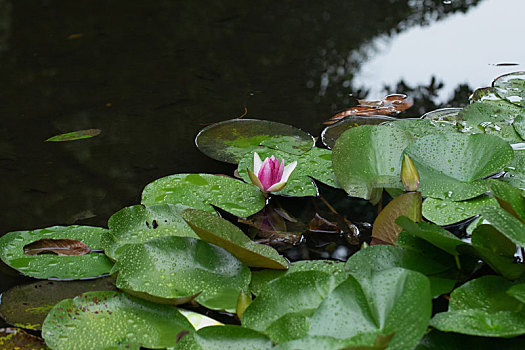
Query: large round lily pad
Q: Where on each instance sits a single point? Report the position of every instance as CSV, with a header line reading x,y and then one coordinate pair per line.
x,y
451,166
177,269
27,305
200,190
138,224
230,140
229,337
511,87
316,163
54,266
223,233
103,320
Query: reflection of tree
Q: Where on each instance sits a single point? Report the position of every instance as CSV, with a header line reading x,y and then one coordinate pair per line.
x,y
149,72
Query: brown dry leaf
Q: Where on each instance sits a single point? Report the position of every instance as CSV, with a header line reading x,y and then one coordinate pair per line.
x,y
391,104
17,339
63,246
322,225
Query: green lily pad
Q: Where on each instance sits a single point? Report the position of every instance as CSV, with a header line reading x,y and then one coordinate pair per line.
x,y
515,171
75,135
331,133
446,212
224,337
316,163
443,115
511,87
497,251
230,140
519,125
509,198
367,159
102,320
175,270
491,117
391,301
288,300
484,94
221,232
482,307
504,222
260,278
366,341
199,191
138,224
434,234
451,165
27,305
17,339
54,266
418,128
436,340
517,291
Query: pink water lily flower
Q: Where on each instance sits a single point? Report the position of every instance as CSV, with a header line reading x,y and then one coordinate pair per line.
x,y
270,175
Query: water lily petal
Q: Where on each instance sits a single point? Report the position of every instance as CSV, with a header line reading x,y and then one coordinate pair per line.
x,y
277,187
288,171
257,163
255,179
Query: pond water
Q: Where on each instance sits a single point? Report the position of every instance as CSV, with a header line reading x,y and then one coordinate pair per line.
x,y
150,75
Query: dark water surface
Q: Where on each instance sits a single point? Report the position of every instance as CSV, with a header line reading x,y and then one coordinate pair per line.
x,y
150,74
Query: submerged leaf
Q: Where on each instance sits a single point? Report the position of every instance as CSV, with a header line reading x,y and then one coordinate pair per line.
x,y
75,135
61,246
17,339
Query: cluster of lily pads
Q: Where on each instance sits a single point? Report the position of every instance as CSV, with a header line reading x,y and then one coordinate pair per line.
x,y
416,285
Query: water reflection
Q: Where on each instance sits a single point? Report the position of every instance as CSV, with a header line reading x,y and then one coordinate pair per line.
x,y
151,74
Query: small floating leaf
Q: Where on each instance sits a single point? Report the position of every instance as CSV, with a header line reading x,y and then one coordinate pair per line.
x,y
199,191
128,322
50,265
230,140
75,135
61,246
511,86
221,232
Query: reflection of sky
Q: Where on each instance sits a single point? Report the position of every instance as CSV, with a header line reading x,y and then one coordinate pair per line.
x,y
461,48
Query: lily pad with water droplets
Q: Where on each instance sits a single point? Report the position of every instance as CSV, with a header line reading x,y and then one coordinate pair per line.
x,y
443,115
221,232
230,337
446,212
504,222
102,320
451,166
367,159
515,171
281,308
138,224
391,301
28,305
482,307
316,163
176,270
199,191
54,266
511,87
230,140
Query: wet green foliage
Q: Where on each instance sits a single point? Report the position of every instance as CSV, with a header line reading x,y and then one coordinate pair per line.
x,y
187,245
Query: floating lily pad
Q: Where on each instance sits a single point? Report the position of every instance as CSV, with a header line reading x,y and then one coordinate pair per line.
x,y
509,198
451,165
50,265
17,339
511,87
138,224
230,140
27,305
288,301
316,163
175,270
367,159
504,222
75,135
515,171
482,307
391,301
199,191
446,212
223,233
436,340
332,132
229,337
103,320
418,128
443,115
491,117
